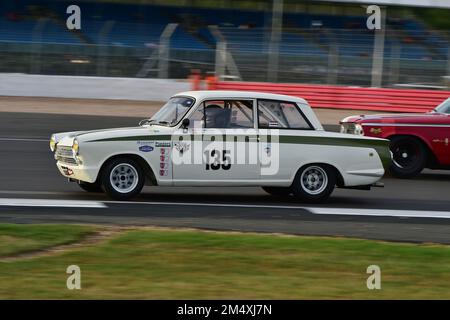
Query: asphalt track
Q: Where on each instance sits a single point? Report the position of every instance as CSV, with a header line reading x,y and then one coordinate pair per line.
x,y
404,210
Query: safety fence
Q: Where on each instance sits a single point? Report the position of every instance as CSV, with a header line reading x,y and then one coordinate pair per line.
x,y
324,56
335,97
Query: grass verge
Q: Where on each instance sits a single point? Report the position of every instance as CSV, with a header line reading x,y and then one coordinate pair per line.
x,y
18,238
187,264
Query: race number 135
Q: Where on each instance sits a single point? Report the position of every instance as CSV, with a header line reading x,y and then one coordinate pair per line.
x,y
216,159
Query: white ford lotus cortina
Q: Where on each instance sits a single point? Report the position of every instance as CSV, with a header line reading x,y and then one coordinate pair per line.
x,y
223,138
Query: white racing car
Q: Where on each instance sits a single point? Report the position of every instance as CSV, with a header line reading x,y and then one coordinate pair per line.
x,y
223,138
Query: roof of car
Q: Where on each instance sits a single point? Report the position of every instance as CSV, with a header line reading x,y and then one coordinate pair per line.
x,y
213,94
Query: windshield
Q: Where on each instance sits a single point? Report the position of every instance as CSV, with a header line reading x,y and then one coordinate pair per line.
x,y
173,111
444,107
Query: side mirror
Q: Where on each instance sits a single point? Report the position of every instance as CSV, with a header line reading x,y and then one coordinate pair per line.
x,y
185,123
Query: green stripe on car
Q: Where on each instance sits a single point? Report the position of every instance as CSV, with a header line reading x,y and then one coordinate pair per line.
x,y
136,138
381,146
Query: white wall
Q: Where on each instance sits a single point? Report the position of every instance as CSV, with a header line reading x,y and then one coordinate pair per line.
x,y
13,84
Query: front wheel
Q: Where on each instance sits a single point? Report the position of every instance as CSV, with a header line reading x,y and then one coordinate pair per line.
x,y
314,183
122,178
409,157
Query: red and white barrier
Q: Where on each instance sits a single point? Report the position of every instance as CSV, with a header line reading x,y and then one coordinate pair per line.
x,y
335,97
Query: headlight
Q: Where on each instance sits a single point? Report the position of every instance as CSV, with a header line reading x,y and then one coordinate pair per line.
x,y
359,130
53,143
75,147
352,128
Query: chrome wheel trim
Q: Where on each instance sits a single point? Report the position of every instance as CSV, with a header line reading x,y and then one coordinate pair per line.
x,y
124,178
314,180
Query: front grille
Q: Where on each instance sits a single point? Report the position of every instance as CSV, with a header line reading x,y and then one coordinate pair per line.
x,y
66,160
64,154
64,151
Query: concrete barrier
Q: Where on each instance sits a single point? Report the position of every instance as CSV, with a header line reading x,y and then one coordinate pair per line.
x,y
25,85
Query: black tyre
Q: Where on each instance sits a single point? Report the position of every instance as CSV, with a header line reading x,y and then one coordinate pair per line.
x,y
278,191
409,157
122,178
90,187
314,183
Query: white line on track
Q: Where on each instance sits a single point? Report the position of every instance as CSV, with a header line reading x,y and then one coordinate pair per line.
x,y
202,204
50,203
47,193
382,212
314,210
18,202
25,139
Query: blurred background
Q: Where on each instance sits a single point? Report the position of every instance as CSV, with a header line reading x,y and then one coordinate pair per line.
x,y
318,42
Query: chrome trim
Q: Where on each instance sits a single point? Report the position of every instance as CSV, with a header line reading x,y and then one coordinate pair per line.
x,y
64,154
381,124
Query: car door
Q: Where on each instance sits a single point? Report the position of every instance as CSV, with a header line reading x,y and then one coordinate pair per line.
x,y
280,123
230,141
187,150
229,145
440,138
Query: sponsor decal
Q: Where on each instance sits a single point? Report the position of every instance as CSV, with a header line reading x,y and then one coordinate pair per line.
x,y
375,130
163,144
445,141
164,161
143,143
146,148
182,146
268,149
163,165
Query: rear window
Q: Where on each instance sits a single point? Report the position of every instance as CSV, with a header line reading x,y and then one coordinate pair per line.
x,y
280,115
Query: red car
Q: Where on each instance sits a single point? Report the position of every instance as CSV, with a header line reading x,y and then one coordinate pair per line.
x,y
418,140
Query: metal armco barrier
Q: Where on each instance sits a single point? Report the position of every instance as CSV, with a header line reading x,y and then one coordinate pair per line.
x,y
334,97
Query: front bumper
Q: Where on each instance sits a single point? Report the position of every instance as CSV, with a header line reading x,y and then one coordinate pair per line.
x,y
78,172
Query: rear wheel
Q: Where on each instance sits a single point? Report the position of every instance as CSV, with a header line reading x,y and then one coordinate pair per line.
x,y
90,187
278,191
314,183
122,178
409,157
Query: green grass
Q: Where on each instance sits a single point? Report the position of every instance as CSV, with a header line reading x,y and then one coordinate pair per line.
x,y
169,264
16,238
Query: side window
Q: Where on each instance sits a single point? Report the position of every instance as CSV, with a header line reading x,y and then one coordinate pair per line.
x,y
196,118
241,114
280,115
223,114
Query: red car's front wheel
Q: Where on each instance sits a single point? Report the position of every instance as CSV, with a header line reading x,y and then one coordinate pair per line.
x,y
409,157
